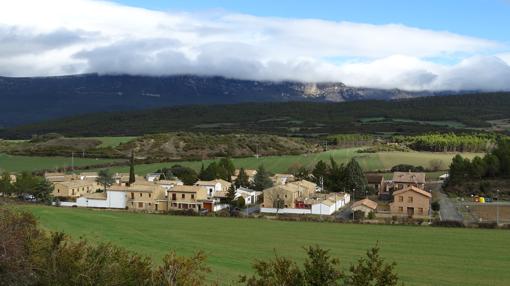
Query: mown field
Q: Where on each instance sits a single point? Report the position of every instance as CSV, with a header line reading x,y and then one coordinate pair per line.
x,y
28,163
279,164
424,255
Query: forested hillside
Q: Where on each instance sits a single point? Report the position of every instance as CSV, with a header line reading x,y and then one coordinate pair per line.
x,y
407,116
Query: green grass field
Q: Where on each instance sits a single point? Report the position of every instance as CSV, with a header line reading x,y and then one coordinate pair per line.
x,y
424,255
25,163
280,164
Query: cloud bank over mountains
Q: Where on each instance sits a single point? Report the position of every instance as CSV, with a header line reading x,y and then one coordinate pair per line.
x,y
57,37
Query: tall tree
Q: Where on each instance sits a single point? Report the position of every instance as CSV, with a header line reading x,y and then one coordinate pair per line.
x,y
492,164
242,179
6,187
335,180
187,175
43,189
262,180
355,178
132,177
231,195
105,179
320,172
210,173
226,169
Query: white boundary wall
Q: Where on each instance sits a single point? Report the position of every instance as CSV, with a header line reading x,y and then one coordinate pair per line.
x,y
285,211
114,200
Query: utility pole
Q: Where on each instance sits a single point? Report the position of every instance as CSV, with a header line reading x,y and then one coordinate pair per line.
x,y
497,209
351,205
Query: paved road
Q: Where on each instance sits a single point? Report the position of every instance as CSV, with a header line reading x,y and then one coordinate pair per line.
x,y
252,209
448,211
344,213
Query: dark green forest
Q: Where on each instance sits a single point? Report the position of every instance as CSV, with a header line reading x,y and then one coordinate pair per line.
x,y
458,113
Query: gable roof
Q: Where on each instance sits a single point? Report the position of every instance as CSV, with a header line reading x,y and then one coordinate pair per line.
x,y
249,172
409,177
365,202
304,184
413,189
213,182
75,183
188,189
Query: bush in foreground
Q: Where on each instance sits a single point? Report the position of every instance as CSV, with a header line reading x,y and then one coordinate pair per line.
x,y
31,256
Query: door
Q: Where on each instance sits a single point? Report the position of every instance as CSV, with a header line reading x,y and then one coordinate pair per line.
x,y
410,212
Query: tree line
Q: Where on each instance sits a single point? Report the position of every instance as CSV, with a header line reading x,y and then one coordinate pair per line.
x,y
495,164
449,142
335,177
31,256
26,186
300,118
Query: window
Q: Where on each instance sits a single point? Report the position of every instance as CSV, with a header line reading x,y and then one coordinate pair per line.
x,y
400,198
149,195
400,209
174,197
420,210
409,199
140,195
132,195
183,196
140,205
192,196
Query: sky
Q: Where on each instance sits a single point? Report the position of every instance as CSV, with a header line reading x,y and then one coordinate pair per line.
x,y
412,45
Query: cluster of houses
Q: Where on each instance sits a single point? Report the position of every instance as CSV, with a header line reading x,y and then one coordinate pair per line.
x,y
404,195
149,193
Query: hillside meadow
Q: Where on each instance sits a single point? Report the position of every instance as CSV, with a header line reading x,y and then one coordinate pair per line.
x,y
13,163
424,255
281,164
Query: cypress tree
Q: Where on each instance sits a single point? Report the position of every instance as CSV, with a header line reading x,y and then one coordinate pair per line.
x,y
132,177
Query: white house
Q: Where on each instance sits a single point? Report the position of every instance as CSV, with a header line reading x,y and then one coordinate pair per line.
x,y
151,177
88,176
331,204
317,204
169,184
215,188
112,200
250,196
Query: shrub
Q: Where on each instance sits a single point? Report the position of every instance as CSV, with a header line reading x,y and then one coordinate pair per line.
x,y
435,206
489,225
447,223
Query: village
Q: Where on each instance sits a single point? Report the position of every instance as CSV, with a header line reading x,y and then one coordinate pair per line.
x,y
403,196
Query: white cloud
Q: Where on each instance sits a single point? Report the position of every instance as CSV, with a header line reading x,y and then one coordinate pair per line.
x,y
76,36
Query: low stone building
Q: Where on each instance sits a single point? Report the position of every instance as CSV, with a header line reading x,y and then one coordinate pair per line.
x,y
366,206
74,188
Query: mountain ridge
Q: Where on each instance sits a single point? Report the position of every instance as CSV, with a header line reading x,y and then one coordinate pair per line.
x,y
34,99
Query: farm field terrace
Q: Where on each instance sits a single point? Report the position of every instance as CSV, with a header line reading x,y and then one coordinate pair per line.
x,y
280,164
13,163
424,255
